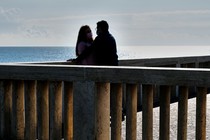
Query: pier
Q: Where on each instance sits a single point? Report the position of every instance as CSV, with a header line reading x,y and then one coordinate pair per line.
x,y
59,100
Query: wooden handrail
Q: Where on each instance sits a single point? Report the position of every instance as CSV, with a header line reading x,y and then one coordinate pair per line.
x,y
115,74
89,92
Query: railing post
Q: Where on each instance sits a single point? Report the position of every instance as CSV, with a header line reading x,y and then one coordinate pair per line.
x,y
147,112
55,110
84,110
182,113
201,113
1,109
165,92
68,110
102,111
30,110
116,111
18,109
131,111
7,110
43,110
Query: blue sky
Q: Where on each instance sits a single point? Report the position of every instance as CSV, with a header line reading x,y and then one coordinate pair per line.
x,y
132,23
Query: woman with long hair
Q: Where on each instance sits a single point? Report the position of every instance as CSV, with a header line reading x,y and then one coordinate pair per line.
x,y
84,41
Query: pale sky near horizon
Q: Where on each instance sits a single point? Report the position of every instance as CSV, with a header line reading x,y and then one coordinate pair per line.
x,y
132,22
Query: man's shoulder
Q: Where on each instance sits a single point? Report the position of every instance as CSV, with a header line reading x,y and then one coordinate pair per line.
x,y
104,38
111,36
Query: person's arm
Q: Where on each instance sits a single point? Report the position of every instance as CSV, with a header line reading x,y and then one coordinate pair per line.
x,y
85,53
81,47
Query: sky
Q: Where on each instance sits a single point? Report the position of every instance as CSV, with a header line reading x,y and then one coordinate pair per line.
x,y
132,22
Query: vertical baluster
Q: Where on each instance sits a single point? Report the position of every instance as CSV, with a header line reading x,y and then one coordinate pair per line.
x,y
139,96
116,111
182,113
201,113
102,111
7,110
56,111
84,110
1,110
165,92
68,111
131,111
147,112
30,111
18,109
43,110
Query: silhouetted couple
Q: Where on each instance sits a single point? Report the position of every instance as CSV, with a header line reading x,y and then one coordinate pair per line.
x,y
99,51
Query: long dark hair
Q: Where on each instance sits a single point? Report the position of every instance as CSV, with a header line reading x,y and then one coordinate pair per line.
x,y
82,36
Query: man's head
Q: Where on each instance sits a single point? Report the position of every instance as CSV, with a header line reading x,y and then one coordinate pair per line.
x,y
102,27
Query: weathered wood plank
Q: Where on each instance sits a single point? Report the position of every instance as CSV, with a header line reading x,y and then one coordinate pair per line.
x,y
145,75
165,92
116,110
55,110
43,109
201,113
147,112
18,109
68,111
182,113
30,110
102,111
164,61
7,109
131,111
84,108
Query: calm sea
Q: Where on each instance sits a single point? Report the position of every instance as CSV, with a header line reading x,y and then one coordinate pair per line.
x,y
43,54
35,54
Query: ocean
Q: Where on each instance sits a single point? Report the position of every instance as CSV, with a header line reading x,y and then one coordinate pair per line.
x,y
46,54
35,54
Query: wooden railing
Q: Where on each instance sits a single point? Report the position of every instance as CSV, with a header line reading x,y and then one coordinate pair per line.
x,y
190,61
42,101
172,62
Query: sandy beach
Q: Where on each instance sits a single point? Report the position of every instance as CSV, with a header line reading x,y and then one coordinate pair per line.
x,y
173,121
